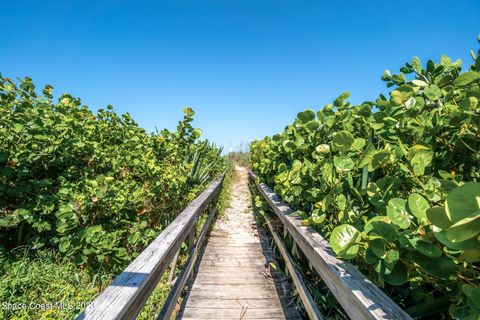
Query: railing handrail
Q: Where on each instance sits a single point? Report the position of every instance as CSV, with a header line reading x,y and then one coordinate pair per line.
x,y
130,290
359,297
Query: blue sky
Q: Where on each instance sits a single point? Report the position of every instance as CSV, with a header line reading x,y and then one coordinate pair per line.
x,y
246,67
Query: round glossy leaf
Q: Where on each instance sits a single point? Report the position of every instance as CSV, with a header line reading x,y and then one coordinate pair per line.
x,y
312,125
438,217
134,237
463,202
343,163
391,258
418,206
433,92
381,229
378,247
306,115
428,249
464,229
381,158
350,253
466,78
397,212
441,236
441,267
343,237
408,240
343,141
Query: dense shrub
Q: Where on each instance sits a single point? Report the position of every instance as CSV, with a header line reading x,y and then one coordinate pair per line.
x,y
95,186
393,183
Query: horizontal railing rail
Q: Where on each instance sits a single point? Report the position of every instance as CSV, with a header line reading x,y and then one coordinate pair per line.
x,y
130,290
358,296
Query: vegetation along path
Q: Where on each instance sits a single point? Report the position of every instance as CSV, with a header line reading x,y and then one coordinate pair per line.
x,y
234,280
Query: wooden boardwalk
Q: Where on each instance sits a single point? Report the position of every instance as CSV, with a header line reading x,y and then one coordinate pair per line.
x,y
234,279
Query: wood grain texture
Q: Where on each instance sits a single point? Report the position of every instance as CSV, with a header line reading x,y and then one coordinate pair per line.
x,y
125,297
359,297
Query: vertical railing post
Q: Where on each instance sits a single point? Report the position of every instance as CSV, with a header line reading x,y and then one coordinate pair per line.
x,y
191,244
173,266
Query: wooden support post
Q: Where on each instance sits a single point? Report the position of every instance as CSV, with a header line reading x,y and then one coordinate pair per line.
x,y
191,244
173,266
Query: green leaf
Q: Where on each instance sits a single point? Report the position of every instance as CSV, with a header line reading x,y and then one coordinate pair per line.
x,y
397,212
417,65
420,154
433,92
133,238
306,115
441,236
464,229
441,267
438,217
466,78
401,95
428,249
381,229
64,244
398,276
343,163
463,202
288,145
418,206
18,127
378,247
9,221
343,141
343,237
381,158
391,258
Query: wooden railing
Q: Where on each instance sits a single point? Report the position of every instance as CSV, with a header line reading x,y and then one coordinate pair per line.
x,y
358,296
128,293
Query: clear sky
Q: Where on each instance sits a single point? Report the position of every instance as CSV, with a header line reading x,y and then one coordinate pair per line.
x,y
246,67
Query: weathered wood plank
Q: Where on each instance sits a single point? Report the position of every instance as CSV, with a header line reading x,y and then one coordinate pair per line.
x,y
125,297
233,288
232,263
235,269
359,297
195,302
239,312
239,294
240,280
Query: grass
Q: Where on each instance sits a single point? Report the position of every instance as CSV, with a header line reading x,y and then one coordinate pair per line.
x,y
42,285
241,158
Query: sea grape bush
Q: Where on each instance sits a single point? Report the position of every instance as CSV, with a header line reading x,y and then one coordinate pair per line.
x,y
393,184
95,186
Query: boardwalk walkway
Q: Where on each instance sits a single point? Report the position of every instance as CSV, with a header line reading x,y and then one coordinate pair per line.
x,y
234,280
